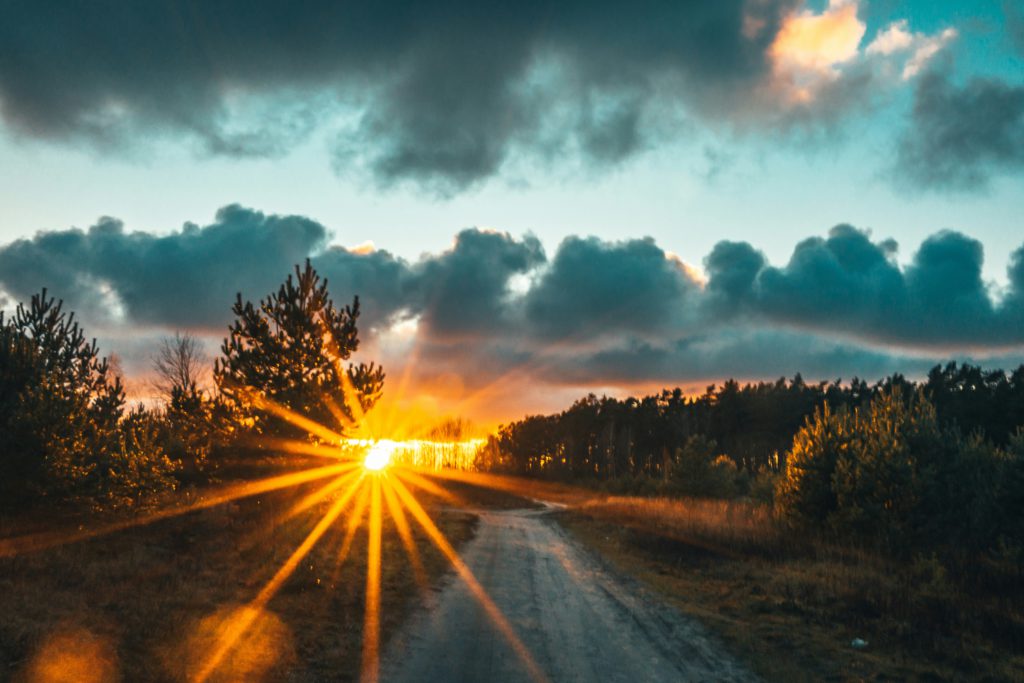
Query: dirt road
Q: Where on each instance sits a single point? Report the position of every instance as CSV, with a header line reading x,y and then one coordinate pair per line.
x,y
577,620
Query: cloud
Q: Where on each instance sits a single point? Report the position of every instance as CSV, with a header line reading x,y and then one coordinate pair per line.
x,y
381,280
819,42
185,279
740,353
822,74
850,286
920,48
1015,24
894,38
441,94
960,136
494,312
464,292
594,289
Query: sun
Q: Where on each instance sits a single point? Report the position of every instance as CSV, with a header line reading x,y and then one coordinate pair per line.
x,y
379,455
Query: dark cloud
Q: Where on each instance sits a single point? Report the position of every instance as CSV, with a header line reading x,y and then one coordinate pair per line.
x,y
731,268
594,288
741,353
495,306
848,284
1015,23
960,136
464,292
381,280
447,89
184,279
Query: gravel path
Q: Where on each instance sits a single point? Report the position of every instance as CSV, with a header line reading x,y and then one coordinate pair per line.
x,y
577,619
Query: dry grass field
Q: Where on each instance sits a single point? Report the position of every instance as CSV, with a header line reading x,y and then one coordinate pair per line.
x,y
147,603
793,610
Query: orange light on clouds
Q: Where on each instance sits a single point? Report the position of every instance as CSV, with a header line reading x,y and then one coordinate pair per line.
x,y
817,42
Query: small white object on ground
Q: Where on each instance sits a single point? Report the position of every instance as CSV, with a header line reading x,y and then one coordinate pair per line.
x,y
858,644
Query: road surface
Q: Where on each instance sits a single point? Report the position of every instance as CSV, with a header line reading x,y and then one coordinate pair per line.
x,y
577,620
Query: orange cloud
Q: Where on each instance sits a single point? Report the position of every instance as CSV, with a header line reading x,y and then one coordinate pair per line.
x,y
818,42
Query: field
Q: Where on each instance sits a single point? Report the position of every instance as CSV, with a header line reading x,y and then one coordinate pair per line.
x,y
146,603
793,609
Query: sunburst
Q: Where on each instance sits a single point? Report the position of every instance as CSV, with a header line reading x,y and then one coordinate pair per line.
x,y
363,473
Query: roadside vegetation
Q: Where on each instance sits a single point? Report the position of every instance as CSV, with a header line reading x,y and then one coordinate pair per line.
x,y
884,542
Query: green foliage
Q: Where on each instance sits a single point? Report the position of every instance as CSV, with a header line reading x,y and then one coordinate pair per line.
x,y
139,465
192,428
806,492
60,413
891,475
698,471
291,350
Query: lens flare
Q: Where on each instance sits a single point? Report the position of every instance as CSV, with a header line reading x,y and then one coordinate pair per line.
x,y
379,455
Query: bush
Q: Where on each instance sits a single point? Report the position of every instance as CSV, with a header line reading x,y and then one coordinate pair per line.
x,y
698,472
890,475
806,493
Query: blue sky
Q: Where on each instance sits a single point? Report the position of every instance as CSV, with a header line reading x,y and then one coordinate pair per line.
x,y
759,122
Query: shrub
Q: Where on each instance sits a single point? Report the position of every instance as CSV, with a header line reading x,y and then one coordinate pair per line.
x,y
892,476
806,493
697,471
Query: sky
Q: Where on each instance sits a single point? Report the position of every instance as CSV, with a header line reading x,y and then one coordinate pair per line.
x,y
533,200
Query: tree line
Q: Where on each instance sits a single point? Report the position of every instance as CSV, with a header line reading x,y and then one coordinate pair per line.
x,y
752,425
69,436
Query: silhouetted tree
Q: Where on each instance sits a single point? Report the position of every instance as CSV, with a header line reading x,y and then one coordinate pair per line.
x,y
291,349
178,365
60,416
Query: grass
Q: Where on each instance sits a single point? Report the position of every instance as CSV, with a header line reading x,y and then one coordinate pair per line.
x,y
146,602
792,608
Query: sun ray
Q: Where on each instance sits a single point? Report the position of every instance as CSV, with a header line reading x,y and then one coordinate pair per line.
x,y
495,482
405,534
18,545
237,629
430,487
321,493
548,356
336,412
355,520
495,614
358,415
371,615
297,447
288,415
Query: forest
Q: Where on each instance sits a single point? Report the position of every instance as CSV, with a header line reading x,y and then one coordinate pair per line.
x,y
753,424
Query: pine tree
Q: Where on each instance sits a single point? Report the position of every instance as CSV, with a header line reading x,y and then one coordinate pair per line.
x,y
291,349
59,407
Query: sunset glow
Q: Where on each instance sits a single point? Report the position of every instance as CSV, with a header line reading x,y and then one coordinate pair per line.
x,y
379,455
